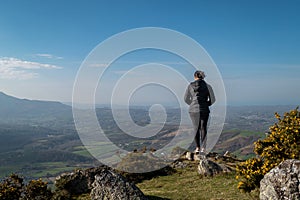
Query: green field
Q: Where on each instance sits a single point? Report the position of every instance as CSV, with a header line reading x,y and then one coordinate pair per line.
x,y
51,169
8,169
36,170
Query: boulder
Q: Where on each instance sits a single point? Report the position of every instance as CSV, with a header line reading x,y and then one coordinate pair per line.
x,y
178,164
79,181
109,185
282,182
101,182
207,167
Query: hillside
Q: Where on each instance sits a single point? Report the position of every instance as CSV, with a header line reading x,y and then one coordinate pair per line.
x,y
39,139
15,110
238,142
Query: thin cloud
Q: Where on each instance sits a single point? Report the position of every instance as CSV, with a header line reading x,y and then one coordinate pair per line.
x,y
13,68
46,55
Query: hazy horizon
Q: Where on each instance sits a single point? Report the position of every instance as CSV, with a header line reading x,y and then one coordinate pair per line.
x,y
147,104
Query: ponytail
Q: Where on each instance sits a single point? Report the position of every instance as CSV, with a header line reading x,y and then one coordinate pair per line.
x,y
199,74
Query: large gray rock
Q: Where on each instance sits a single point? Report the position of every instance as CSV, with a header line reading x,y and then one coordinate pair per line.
x,y
101,182
109,185
282,182
79,181
207,167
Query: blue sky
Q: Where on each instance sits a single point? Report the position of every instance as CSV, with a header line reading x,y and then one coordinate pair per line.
x,y
255,44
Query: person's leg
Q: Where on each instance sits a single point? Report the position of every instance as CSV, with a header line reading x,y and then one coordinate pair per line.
x,y
195,121
203,130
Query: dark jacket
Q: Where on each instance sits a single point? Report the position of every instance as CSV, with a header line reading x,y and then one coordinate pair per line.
x,y
199,95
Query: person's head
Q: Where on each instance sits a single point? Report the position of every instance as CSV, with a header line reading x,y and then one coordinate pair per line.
x,y
199,75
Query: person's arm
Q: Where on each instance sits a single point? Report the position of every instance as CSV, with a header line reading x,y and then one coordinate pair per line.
x,y
212,97
188,96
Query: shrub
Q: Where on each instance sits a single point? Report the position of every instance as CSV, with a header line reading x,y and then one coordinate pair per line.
x,y
13,188
62,195
37,189
282,142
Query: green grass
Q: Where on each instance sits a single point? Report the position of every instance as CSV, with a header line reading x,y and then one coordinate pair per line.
x,y
8,169
79,148
183,184
47,169
52,168
44,169
52,172
96,148
187,184
85,153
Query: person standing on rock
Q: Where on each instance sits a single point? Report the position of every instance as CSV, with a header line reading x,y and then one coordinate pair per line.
x,y
199,96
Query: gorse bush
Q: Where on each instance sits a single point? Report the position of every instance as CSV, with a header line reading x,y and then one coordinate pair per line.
x,y
282,142
37,189
13,188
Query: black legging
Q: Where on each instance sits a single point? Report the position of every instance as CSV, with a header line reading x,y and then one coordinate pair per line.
x,y
199,121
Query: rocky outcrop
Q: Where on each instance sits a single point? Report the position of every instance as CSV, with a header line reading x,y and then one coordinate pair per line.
x,y
207,167
227,157
282,182
209,164
109,185
101,182
79,181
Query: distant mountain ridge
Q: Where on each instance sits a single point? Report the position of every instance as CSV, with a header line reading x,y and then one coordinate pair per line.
x,y
33,132
12,108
